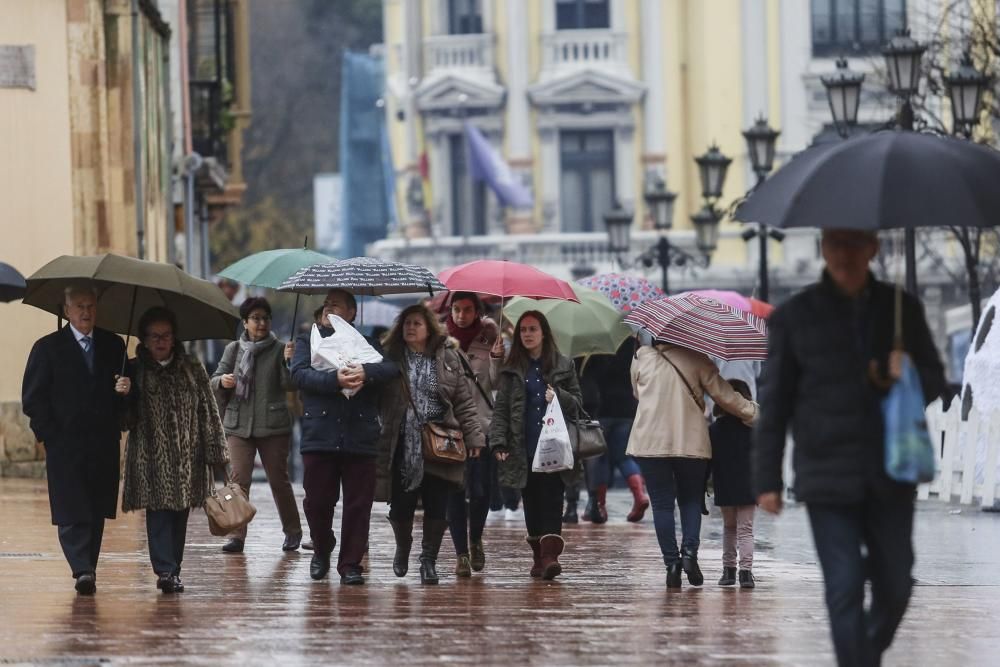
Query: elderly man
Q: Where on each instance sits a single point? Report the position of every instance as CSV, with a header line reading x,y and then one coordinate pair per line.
x,y
338,446
830,363
72,394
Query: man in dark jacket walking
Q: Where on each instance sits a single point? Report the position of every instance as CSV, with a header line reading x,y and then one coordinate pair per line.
x,y
339,437
830,364
71,393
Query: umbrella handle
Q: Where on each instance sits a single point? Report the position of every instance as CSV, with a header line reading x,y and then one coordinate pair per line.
x,y
128,332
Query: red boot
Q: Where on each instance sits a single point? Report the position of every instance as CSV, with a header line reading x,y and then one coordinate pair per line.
x,y
536,551
552,547
640,501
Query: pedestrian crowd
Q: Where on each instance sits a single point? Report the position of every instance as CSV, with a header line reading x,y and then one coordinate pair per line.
x,y
380,431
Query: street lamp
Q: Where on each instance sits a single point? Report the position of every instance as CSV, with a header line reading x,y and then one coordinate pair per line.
x,y
619,224
843,93
965,90
902,60
761,139
712,166
660,203
706,227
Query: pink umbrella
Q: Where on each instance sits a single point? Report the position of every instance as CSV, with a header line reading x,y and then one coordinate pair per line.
x,y
505,279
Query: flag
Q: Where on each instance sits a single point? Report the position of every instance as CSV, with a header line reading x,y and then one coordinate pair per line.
x,y
485,164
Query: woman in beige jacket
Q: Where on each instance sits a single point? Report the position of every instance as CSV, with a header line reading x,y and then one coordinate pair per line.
x,y
670,441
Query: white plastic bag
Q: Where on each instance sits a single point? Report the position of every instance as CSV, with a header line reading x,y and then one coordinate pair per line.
x,y
554,452
344,347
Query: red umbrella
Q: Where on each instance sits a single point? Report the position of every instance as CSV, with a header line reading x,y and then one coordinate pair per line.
x,y
703,324
505,279
761,308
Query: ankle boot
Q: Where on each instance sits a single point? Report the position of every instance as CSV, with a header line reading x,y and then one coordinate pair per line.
x,y
477,556
589,510
551,548
570,515
746,579
598,512
674,575
429,547
689,563
536,553
403,531
728,577
640,501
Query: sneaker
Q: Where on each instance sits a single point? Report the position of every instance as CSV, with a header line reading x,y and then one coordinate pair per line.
x,y
513,515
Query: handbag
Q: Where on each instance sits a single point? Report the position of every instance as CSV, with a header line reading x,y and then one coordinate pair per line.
x,y
586,437
440,443
227,507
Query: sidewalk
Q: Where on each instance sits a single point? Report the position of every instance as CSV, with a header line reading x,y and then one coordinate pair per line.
x,y
611,605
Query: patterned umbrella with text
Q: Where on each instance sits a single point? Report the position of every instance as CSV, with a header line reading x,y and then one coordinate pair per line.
x,y
363,276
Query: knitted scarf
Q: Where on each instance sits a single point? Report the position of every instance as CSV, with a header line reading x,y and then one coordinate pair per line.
x,y
248,362
467,335
422,383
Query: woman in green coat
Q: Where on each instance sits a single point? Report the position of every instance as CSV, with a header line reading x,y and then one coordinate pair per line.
x,y
534,373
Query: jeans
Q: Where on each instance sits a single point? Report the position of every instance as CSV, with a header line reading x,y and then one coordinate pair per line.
x,y
324,473
885,530
166,531
273,452
543,504
681,480
599,470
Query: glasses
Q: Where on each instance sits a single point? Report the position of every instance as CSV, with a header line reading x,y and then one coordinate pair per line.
x,y
260,319
160,338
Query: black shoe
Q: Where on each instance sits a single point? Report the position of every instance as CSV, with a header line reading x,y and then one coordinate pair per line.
x,y
292,542
746,579
571,516
674,575
728,577
319,566
233,546
428,571
430,546
352,577
689,563
178,584
86,584
403,532
477,556
166,583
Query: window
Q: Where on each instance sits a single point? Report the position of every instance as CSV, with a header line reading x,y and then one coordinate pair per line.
x,y
468,197
845,27
465,17
582,14
587,180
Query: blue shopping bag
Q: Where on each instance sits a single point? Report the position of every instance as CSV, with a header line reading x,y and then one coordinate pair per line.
x,y
909,453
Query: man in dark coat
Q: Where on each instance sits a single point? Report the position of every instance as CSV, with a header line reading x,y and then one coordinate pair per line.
x,y
339,437
831,362
71,393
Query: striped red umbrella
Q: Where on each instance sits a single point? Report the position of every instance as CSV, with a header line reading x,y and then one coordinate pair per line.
x,y
703,324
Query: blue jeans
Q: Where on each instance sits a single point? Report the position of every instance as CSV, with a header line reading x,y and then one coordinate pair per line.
x,y
885,529
681,480
616,433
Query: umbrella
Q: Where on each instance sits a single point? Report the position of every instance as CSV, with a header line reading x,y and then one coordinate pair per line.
x,y
505,279
736,300
625,292
885,180
12,284
362,276
592,326
703,324
127,286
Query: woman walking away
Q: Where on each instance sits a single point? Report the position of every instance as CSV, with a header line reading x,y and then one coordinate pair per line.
x,y
478,337
533,375
175,435
733,493
670,441
432,389
250,384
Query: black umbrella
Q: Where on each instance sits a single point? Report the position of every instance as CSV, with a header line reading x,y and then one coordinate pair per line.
x,y
12,285
363,275
885,180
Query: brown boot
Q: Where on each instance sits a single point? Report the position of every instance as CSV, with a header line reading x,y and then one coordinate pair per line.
x,y
640,501
552,547
536,552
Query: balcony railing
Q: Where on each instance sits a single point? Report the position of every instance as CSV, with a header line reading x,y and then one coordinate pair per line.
x,y
584,48
459,52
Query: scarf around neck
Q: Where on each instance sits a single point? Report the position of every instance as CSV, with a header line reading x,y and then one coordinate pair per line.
x,y
248,362
467,335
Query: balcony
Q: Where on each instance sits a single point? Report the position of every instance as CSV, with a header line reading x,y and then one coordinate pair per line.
x,y
471,53
584,49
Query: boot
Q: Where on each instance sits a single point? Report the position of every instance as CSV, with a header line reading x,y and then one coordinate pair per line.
x,y
463,568
689,563
746,579
477,556
429,547
536,552
589,510
674,575
403,531
571,516
551,547
640,501
597,512
728,577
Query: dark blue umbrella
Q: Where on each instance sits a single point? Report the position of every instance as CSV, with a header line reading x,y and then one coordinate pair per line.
x,y
12,285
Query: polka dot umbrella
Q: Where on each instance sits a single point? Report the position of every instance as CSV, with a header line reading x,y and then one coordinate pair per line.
x,y
625,292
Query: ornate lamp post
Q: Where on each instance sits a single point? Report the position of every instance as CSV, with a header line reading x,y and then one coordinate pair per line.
x,y
843,93
965,90
761,139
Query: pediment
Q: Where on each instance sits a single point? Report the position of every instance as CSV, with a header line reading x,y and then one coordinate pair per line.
x,y
586,87
442,93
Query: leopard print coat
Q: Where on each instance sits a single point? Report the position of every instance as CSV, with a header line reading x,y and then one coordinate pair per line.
x,y
175,434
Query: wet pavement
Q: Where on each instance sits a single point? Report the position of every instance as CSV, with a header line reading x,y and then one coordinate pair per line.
x,y
610,606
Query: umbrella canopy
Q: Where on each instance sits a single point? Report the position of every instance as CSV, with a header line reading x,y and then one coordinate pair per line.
x,y
366,276
703,324
885,180
624,292
127,287
736,300
505,279
12,284
592,326
272,267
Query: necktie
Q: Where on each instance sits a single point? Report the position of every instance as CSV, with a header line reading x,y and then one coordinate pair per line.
x,y
88,352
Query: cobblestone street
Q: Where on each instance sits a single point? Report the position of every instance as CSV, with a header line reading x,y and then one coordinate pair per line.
x,y
610,606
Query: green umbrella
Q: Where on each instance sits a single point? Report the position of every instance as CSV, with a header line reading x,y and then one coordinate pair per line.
x,y
593,326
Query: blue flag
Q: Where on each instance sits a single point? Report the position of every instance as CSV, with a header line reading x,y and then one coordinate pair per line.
x,y
485,164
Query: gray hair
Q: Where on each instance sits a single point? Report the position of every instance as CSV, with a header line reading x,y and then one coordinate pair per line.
x,y
78,290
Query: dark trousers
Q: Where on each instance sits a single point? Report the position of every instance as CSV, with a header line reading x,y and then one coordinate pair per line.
x,y
543,503
433,494
680,480
884,529
466,520
323,475
166,531
81,544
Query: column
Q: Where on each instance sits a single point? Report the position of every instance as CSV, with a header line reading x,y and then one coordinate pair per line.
x,y
518,112
417,224
654,107
549,137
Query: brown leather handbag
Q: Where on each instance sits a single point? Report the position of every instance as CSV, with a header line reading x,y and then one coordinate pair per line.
x,y
227,507
440,443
